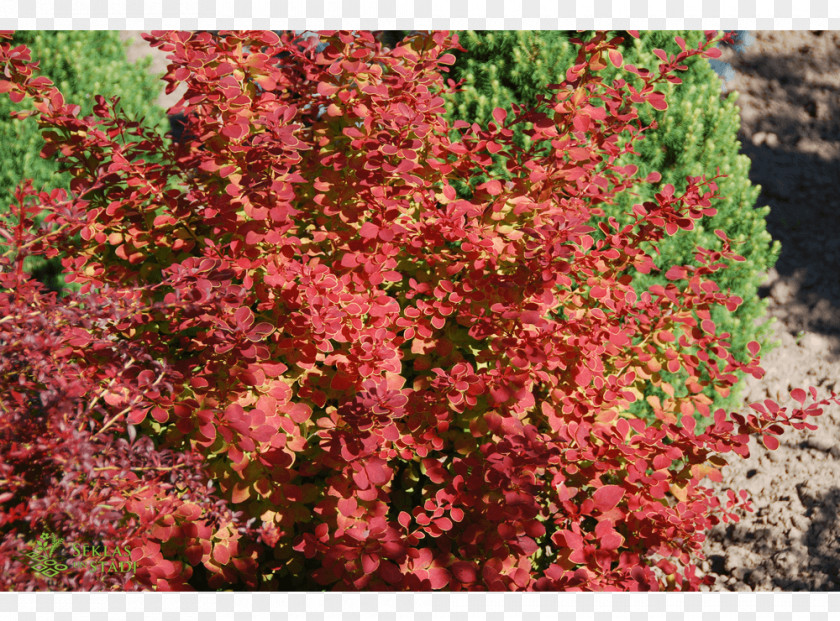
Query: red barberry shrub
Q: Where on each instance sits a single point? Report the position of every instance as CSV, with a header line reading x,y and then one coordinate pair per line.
x,y
392,387
61,471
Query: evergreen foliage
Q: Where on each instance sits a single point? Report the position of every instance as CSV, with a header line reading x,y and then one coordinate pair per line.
x,y
696,135
81,64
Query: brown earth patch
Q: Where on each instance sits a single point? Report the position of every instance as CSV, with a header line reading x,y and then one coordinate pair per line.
x,y
789,87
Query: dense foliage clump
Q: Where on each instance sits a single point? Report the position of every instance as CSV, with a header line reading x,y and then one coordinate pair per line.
x,y
386,385
696,135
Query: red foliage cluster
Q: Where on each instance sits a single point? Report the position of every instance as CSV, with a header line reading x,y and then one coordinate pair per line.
x,y
59,469
394,387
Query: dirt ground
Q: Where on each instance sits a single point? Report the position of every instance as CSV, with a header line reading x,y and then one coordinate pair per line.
x,y
789,86
789,95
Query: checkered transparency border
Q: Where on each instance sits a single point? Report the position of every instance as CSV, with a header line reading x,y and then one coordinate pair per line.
x,y
420,14
419,607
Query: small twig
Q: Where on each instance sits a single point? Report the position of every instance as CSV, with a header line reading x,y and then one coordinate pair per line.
x,y
38,239
127,408
99,396
114,419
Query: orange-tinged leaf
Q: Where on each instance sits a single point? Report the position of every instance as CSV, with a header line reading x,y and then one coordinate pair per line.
x,y
702,471
680,493
240,492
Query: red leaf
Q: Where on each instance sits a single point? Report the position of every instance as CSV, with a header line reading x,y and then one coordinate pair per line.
x,y
243,317
360,478
260,332
657,100
234,131
299,412
521,578
208,430
221,554
444,523
608,497
499,114
348,259
135,417
493,187
573,540
798,395
390,573
583,376
772,406
347,506
582,123
370,563
579,154
607,536
771,442
369,230
758,408
438,577
378,472
264,433
464,572
529,317
194,554
326,89
405,166
341,381
159,414
404,519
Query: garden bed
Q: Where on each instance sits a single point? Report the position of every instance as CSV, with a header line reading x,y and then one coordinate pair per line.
x,y
789,86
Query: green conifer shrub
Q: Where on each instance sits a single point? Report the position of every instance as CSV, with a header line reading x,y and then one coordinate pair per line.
x,y
82,64
696,134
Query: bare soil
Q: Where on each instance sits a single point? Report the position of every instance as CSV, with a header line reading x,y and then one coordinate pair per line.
x,y
789,87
